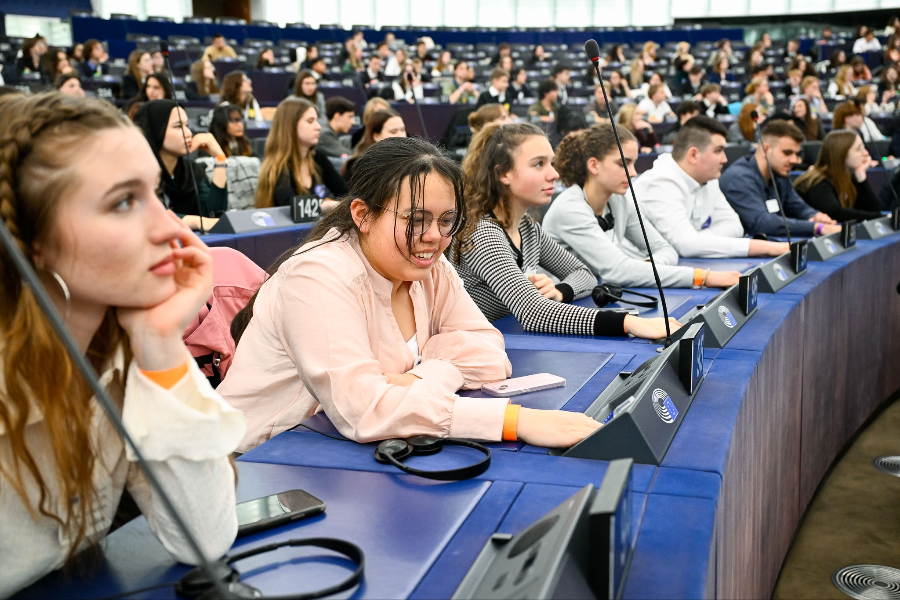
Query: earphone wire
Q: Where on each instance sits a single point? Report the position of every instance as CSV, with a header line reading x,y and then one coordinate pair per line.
x,y
662,296
30,278
164,48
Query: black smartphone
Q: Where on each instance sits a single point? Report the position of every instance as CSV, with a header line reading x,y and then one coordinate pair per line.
x,y
277,509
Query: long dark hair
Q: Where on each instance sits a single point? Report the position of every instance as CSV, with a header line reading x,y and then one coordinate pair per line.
x,y
380,175
163,82
218,127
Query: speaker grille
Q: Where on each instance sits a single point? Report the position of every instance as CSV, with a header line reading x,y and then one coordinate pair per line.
x,y
888,464
868,582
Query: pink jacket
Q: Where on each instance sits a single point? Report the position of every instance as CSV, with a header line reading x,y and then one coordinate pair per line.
x,y
323,333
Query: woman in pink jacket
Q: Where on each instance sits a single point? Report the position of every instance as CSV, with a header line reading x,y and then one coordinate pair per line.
x,y
369,320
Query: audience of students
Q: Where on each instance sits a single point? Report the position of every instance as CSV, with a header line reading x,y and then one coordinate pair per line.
x,y
751,192
596,222
837,184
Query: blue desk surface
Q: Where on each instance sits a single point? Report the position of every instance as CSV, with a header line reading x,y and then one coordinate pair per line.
x,y
402,523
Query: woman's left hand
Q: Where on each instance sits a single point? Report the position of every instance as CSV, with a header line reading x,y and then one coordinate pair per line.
x,y
156,331
649,329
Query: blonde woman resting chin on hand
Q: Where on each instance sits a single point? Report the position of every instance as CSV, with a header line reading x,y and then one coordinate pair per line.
x,y
369,322
78,192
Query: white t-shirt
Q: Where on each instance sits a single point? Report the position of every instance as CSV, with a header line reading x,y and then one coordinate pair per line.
x,y
653,111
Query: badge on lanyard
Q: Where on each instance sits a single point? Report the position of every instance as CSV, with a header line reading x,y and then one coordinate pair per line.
x,y
772,205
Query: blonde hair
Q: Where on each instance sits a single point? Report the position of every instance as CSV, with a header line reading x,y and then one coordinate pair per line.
x,y
283,151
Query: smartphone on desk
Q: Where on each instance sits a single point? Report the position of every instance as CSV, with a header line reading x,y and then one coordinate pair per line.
x,y
277,509
523,385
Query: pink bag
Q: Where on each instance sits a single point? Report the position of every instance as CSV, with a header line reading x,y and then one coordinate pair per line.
x,y
208,337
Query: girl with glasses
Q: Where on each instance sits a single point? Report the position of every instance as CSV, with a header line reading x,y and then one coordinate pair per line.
x,y
368,321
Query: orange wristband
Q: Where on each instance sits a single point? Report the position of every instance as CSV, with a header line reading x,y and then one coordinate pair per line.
x,y
168,378
698,277
511,423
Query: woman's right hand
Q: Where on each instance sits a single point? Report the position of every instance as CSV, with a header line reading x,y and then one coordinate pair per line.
x,y
649,329
207,143
553,428
722,279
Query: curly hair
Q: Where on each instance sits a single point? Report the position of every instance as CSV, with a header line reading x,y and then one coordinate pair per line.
x,y
40,136
490,154
577,148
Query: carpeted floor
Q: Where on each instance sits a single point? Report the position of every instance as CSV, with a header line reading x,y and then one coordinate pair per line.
x,y
854,519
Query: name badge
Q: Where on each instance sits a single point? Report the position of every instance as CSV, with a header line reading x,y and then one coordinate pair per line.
x,y
772,205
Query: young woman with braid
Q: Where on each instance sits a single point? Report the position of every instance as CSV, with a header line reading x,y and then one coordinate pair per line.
x,y
78,193
509,170
595,219
367,321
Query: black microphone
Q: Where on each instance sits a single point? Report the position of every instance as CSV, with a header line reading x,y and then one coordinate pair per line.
x,y
593,52
164,49
409,80
30,278
755,116
887,176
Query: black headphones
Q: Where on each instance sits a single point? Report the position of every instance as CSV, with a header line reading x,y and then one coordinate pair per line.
x,y
394,451
195,583
612,292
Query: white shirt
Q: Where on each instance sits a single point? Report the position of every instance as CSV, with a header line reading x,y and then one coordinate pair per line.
x,y
399,94
186,432
653,111
696,219
863,45
391,66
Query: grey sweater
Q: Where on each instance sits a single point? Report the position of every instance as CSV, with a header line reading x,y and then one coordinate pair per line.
x,y
621,257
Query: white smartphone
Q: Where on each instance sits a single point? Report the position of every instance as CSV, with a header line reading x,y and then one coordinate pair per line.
x,y
523,385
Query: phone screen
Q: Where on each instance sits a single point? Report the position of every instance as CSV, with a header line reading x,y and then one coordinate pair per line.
x,y
277,505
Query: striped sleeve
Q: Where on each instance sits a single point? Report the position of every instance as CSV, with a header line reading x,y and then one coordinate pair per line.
x,y
490,260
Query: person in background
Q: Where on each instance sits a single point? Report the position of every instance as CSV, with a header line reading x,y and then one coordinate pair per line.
x,y
801,64
266,59
159,62
861,72
803,118
503,51
406,91
867,95
851,115
459,89
561,75
547,106
593,220
382,124
319,69
685,112
750,190
496,92
140,65
56,63
372,76
518,85
237,89
681,197
758,94
893,26
69,85
712,102
648,54
340,113
79,200
841,87
655,105
618,88
889,83
682,66
203,81
813,94
631,117
718,72
508,170
388,60
538,55
866,43
372,106
76,54
837,184
616,54
690,87
489,113
636,73
837,60
354,63
291,165
419,70
791,50
826,38
95,57
218,49
307,88
156,87
444,65
654,79
31,61
312,53
227,126
793,83
165,127
742,131
506,63
597,107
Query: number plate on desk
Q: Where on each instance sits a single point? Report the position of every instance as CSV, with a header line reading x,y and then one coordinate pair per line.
x,y
306,209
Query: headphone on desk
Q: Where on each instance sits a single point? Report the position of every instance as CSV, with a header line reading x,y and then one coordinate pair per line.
x,y
195,583
612,292
394,451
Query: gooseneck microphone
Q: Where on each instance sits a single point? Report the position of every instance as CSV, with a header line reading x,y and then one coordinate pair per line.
x,y
409,80
758,135
593,51
30,279
164,49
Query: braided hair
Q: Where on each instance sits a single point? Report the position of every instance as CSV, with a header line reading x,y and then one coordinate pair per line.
x,y
39,139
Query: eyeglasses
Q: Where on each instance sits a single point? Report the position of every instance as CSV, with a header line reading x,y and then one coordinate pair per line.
x,y
449,223
235,120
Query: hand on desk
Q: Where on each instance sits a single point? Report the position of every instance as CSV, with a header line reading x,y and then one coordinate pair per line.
x,y
545,286
821,217
650,329
722,279
553,428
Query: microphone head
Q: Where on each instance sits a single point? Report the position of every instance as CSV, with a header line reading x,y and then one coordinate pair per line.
x,y
409,77
164,47
754,115
592,49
